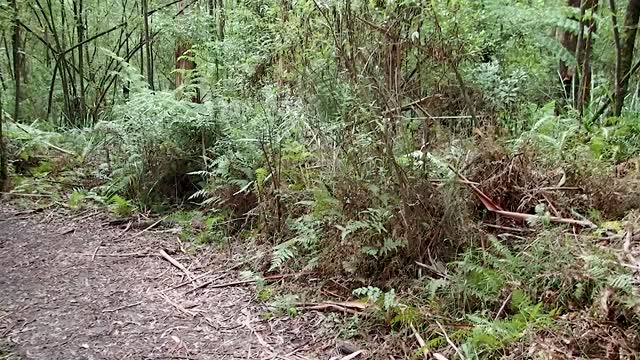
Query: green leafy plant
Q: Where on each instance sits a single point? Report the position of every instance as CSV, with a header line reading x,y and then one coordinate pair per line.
x,y
76,200
120,206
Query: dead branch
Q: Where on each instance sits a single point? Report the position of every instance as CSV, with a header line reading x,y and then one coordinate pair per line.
x,y
507,228
93,257
349,307
504,303
118,255
449,341
175,263
245,282
177,306
495,208
423,345
25,194
204,284
150,227
188,281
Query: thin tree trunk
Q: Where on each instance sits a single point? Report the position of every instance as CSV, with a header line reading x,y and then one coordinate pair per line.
x,y
221,20
628,40
147,41
80,29
125,85
16,60
4,173
582,92
618,45
183,65
9,56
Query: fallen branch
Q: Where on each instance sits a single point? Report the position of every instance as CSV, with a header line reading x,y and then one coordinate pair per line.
x,y
95,252
495,208
245,282
449,341
504,303
507,228
554,219
201,285
67,231
27,195
150,227
119,255
33,211
177,306
84,217
420,340
349,307
175,263
187,282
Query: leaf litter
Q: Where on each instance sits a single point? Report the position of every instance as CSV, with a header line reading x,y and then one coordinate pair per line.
x,y
88,294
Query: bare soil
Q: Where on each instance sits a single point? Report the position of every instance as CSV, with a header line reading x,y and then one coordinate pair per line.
x,y
60,301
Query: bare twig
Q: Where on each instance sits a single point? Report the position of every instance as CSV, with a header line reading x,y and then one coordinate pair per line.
x,y
204,284
177,306
68,231
175,263
627,246
495,208
554,219
25,194
188,281
83,217
423,345
507,228
93,257
150,227
245,282
346,307
504,303
118,255
449,341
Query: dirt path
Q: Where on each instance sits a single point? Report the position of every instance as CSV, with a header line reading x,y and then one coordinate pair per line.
x,y
56,302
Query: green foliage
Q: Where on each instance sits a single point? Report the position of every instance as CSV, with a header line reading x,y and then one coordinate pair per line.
x,y
120,206
331,130
305,239
490,336
76,199
386,300
538,281
285,305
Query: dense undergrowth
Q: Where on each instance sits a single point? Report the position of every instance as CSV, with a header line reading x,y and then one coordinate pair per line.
x,y
305,149
422,249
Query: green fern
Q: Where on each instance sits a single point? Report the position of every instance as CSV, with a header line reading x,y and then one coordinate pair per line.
x,y
306,238
120,206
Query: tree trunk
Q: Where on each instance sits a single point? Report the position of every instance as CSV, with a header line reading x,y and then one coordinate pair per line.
x,y
16,60
577,80
582,91
616,40
80,29
221,20
183,65
4,173
628,40
147,43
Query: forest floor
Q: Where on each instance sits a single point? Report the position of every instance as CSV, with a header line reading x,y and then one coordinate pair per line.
x,y
78,288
